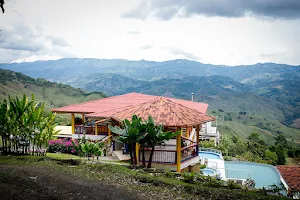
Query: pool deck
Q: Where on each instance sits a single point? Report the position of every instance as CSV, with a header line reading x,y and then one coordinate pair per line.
x,y
220,167
215,163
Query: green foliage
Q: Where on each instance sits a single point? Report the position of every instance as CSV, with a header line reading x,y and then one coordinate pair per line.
x,y
280,151
271,157
155,135
146,133
281,140
23,122
52,94
254,137
188,177
131,133
254,150
88,149
233,185
207,144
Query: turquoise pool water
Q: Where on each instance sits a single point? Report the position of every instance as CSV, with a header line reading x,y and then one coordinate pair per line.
x,y
262,174
209,172
209,155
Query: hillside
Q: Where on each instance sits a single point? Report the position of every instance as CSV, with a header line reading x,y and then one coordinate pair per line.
x,y
267,92
53,94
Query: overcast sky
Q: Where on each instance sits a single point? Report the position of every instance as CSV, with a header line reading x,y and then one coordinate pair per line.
x,y
230,32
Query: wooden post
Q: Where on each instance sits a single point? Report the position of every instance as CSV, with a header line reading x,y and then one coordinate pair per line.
x,y
178,151
109,135
82,118
137,147
96,129
198,133
188,130
198,128
73,123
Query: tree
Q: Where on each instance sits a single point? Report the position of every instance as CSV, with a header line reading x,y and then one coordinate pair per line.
x,y
271,157
280,155
254,137
207,144
156,135
129,135
281,140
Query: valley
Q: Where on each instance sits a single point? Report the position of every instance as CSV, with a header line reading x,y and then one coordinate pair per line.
x,y
267,92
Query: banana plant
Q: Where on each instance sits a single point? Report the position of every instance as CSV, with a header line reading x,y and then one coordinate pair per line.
x,y
87,149
97,151
77,148
156,135
130,134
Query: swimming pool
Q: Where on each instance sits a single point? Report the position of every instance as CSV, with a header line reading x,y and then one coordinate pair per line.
x,y
209,172
209,155
263,175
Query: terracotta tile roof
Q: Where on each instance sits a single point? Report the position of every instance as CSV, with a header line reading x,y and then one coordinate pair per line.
x,y
107,106
164,111
291,175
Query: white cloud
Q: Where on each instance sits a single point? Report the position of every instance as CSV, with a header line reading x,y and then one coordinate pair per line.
x,y
73,28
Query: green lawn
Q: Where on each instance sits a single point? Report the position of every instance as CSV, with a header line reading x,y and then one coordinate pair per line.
x,y
62,156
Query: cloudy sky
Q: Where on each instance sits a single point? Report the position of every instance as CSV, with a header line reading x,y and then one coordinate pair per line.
x,y
230,32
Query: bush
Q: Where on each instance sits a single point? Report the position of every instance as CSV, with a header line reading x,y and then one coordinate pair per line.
x,y
188,177
233,185
62,146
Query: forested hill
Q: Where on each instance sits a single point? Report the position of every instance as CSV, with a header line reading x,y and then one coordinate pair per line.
x,y
53,94
263,98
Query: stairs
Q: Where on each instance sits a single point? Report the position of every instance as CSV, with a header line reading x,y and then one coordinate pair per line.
x,y
119,154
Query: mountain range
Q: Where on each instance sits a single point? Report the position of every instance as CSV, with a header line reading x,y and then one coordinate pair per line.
x,y
264,90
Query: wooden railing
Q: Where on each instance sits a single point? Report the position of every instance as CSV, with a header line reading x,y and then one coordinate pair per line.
x,y
159,156
189,152
80,129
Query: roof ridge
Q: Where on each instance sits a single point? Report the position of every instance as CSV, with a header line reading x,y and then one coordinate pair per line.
x,y
132,106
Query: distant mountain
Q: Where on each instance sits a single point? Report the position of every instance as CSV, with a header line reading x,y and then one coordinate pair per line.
x,y
256,103
178,78
53,94
67,69
111,84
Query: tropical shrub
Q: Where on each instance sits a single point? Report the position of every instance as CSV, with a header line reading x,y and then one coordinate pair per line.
x,y
62,146
25,126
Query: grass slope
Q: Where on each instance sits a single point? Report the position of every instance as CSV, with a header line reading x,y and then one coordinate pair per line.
x,y
53,94
143,185
243,124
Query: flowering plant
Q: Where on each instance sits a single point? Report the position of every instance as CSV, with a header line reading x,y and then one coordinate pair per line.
x,y
62,145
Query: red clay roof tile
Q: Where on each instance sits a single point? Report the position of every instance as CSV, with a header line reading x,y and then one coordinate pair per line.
x,y
291,175
164,111
122,101
108,107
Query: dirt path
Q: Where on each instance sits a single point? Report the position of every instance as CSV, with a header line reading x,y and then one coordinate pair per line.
x,y
31,182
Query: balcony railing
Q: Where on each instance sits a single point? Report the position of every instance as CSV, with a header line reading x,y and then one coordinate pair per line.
x,y
80,129
159,156
189,152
